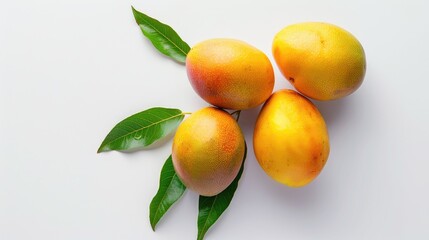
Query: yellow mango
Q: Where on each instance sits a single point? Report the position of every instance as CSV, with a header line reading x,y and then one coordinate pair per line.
x,y
208,151
290,140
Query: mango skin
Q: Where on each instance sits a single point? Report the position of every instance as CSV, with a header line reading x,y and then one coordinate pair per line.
x,y
290,140
321,60
230,74
208,151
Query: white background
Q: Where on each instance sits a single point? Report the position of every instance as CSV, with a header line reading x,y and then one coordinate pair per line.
x,y
70,70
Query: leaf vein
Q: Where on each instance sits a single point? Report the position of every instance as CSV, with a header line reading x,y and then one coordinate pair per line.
x,y
143,128
156,29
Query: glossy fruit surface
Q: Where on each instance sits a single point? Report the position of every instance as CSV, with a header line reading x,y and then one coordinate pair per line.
x,y
322,61
291,140
208,151
230,73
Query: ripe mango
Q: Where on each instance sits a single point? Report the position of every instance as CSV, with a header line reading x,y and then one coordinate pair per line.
x,y
321,60
230,73
290,140
208,151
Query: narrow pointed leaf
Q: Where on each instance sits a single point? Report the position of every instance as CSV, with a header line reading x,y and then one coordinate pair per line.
x,y
142,129
162,36
170,190
211,208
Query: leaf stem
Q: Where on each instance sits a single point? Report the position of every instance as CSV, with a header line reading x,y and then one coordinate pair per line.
x,y
237,113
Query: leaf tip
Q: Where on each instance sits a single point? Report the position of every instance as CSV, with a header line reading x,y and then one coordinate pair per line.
x,y
99,150
135,13
133,9
102,148
152,219
152,225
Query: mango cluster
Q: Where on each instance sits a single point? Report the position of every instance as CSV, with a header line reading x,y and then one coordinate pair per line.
x,y
291,142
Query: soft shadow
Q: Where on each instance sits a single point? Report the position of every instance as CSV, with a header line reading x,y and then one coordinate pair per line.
x,y
247,121
332,111
310,196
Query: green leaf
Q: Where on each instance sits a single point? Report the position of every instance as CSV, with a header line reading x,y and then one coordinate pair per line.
x,y
142,129
170,190
211,208
162,36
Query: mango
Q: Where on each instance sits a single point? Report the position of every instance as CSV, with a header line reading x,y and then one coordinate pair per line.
x,y
290,140
321,60
208,150
229,73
